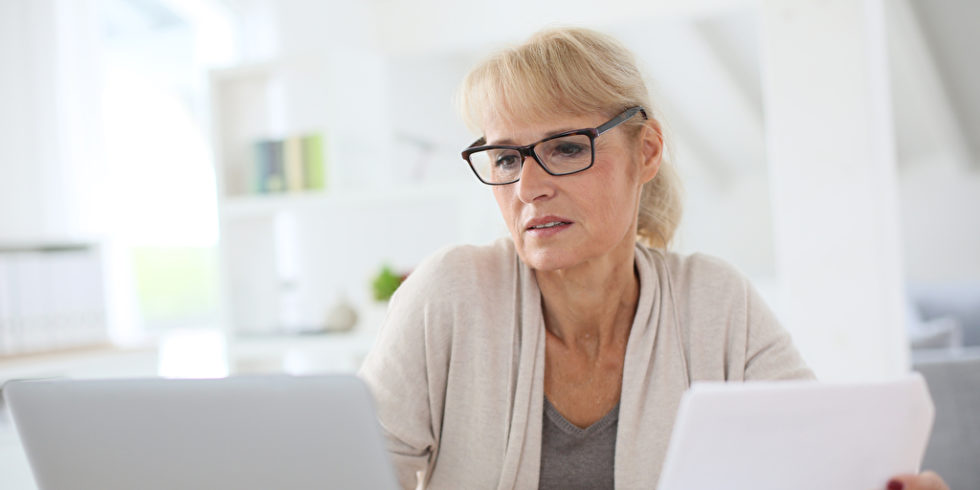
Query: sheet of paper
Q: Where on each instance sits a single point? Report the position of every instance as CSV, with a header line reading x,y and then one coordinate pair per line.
x,y
798,435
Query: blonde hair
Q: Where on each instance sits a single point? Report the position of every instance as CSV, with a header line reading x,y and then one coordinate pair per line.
x,y
574,71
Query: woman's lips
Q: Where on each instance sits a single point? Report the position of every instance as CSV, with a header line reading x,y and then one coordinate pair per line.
x,y
547,226
548,232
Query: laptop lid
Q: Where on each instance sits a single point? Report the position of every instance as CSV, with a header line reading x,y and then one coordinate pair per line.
x,y
233,433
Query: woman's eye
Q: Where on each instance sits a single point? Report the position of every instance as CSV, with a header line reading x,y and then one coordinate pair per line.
x,y
505,161
567,150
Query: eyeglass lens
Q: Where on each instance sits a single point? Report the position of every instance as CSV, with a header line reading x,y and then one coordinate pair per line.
x,y
563,155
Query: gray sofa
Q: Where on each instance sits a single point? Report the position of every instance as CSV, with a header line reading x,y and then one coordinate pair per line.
x,y
944,314
954,447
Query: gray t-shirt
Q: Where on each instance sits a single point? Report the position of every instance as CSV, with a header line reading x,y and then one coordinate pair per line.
x,y
575,458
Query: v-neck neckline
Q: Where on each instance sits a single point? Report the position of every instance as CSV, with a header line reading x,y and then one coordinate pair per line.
x,y
556,417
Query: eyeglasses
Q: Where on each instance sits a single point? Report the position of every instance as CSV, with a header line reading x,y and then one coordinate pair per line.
x,y
565,153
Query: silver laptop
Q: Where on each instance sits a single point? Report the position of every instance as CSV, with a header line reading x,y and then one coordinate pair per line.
x,y
257,432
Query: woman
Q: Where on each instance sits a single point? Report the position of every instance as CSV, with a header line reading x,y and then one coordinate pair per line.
x,y
556,358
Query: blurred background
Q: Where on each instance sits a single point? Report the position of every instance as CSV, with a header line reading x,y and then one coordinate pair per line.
x,y
212,171
248,168
197,188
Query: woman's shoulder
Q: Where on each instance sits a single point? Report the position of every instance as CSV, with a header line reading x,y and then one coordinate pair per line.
x,y
471,256
697,273
729,332
461,268
459,285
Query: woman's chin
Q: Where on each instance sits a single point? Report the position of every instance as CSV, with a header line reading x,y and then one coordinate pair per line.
x,y
548,259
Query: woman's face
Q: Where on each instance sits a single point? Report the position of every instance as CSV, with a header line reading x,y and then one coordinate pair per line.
x,y
558,222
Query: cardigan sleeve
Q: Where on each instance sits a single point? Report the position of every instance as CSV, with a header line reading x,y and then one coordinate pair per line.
x,y
730,332
394,371
770,353
402,372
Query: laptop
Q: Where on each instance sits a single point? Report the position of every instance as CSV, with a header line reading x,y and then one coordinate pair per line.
x,y
250,432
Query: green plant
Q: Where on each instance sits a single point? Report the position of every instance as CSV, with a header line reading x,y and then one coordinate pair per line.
x,y
385,283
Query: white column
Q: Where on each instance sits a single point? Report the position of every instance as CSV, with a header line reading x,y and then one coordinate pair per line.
x,y
833,180
51,178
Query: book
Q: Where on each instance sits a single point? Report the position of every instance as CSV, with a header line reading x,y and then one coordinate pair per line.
x,y
314,163
294,164
293,156
270,169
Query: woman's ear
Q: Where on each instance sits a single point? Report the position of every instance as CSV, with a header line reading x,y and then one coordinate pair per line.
x,y
651,150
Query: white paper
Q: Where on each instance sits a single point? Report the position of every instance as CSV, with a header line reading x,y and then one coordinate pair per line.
x,y
798,435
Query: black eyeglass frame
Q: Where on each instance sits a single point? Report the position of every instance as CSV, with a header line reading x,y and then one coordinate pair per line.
x,y
528,150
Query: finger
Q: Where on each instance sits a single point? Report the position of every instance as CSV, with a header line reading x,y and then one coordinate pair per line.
x,y
927,480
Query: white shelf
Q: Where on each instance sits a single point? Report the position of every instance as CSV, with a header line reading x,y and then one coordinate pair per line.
x,y
49,244
263,205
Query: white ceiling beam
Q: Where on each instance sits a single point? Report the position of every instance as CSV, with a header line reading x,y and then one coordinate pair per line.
x,y
701,97
925,116
734,40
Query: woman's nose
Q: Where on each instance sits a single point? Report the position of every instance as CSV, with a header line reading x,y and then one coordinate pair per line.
x,y
535,182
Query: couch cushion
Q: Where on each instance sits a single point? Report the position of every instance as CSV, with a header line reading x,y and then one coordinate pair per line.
x,y
954,447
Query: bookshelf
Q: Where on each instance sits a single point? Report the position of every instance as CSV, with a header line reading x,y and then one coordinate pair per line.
x,y
52,298
288,257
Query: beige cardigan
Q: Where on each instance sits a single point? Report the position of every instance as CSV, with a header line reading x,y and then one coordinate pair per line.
x,y
458,368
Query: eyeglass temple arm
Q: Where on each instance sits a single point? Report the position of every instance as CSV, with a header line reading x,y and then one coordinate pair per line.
x,y
628,113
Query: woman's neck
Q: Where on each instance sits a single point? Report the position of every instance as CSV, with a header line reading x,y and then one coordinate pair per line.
x,y
592,305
